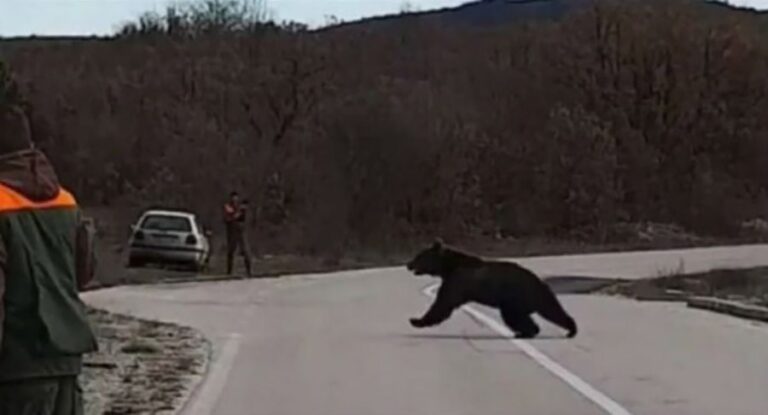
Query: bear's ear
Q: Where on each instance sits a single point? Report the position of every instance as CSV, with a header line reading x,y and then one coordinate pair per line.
x,y
438,244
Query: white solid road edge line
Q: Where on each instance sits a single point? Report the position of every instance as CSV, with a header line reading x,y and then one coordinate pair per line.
x,y
204,401
600,399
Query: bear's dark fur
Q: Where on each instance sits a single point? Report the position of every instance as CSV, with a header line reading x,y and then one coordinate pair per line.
x,y
515,291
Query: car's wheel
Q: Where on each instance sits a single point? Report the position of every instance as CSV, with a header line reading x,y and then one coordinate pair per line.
x,y
197,267
136,262
207,263
202,264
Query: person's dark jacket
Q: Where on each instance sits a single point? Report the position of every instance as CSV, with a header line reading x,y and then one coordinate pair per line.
x,y
44,329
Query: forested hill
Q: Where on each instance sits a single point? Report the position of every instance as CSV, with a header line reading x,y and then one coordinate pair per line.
x,y
628,112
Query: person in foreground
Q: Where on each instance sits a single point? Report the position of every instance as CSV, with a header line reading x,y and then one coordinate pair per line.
x,y
44,328
515,291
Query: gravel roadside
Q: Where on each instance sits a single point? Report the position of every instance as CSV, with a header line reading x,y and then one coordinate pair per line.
x,y
142,367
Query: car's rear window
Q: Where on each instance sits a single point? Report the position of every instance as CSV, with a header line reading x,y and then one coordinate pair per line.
x,y
166,223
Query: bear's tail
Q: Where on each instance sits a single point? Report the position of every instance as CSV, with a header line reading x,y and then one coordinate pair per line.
x,y
553,311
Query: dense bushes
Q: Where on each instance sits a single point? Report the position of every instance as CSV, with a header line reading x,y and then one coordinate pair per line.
x,y
623,112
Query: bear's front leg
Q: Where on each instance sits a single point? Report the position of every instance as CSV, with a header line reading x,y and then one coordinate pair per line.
x,y
430,319
440,310
418,323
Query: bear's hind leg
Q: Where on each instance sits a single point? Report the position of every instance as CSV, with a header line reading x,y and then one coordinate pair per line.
x,y
557,315
519,322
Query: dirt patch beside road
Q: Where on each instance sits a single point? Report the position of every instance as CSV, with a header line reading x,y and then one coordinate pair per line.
x,y
745,285
740,293
748,286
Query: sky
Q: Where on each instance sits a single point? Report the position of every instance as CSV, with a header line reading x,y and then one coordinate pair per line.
x,y
99,17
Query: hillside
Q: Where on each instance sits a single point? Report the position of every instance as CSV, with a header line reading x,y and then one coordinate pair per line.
x,y
490,13
480,13
631,112
477,13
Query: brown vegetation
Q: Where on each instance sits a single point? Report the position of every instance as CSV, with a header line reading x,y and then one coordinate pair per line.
x,y
748,285
357,138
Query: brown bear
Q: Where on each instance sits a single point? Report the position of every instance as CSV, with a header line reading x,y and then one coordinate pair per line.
x,y
514,290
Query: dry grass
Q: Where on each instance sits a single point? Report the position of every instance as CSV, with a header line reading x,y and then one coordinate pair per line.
x,y
746,285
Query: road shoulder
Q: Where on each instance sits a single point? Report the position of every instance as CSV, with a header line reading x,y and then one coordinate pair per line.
x,y
142,366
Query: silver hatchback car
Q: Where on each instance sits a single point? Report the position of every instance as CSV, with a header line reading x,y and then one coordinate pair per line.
x,y
169,237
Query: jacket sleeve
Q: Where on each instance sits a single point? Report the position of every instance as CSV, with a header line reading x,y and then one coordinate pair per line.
x,y
85,256
2,291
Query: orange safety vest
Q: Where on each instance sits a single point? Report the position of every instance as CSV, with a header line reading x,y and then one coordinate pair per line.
x,y
230,213
11,200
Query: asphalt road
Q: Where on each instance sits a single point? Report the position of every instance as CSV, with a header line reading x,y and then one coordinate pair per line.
x,y
341,344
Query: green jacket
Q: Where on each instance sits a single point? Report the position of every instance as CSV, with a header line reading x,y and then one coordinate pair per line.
x,y
44,329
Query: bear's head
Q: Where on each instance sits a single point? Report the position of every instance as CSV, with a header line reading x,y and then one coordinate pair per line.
x,y
430,261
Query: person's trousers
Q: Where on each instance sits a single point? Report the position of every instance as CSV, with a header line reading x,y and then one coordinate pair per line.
x,y
42,396
237,242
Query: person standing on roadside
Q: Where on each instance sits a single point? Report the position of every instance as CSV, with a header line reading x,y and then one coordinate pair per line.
x,y
45,260
234,222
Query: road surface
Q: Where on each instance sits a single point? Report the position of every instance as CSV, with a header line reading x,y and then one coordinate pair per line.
x,y
341,344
